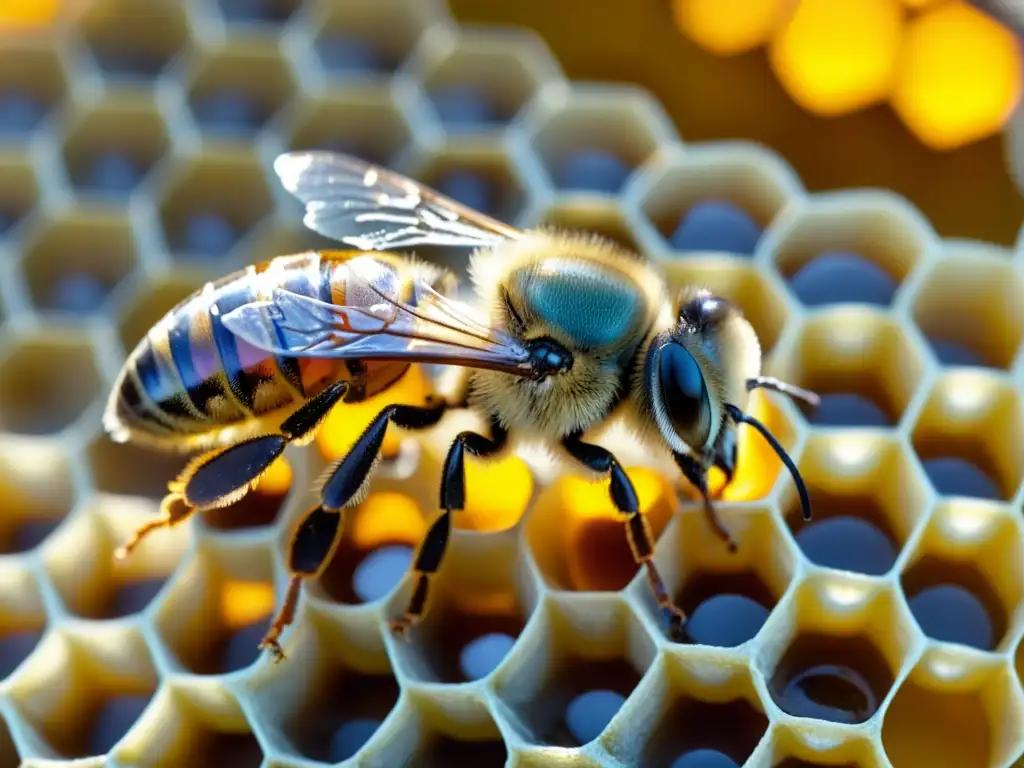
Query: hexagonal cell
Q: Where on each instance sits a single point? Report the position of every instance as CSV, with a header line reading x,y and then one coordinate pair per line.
x,y
600,217
716,198
845,641
577,537
149,302
218,607
32,82
83,692
360,121
368,37
274,12
129,40
849,248
726,595
967,307
699,722
859,361
791,748
212,201
482,178
19,189
91,581
110,148
22,620
37,491
444,738
480,79
126,469
963,583
333,695
951,711
480,602
233,91
73,263
867,497
591,139
757,296
181,728
577,664
48,381
969,437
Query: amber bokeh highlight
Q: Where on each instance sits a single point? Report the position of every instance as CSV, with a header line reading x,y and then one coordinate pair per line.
x,y
244,603
497,493
27,15
384,518
951,73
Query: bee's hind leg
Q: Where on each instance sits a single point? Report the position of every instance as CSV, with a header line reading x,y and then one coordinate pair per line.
x,y
698,477
317,535
223,476
638,533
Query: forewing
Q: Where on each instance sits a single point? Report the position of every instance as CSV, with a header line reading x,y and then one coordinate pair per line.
x,y
374,209
426,327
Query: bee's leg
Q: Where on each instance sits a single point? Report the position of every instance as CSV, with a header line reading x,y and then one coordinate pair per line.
x,y
698,477
316,537
223,476
453,497
638,533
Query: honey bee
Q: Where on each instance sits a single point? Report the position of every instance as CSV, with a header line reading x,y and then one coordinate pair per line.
x,y
571,331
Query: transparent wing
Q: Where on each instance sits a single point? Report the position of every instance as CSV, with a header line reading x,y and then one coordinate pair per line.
x,y
374,209
424,327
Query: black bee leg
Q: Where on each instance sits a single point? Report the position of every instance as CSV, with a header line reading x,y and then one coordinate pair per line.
x,y
696,474
223,476
316,537
638,533
453,497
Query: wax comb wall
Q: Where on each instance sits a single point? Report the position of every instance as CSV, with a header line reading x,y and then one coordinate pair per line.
x,y
135,163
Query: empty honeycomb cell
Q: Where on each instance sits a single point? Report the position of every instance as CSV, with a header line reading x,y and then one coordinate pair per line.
x,y
793,746
834,58
73,263
579,662
22,619
757,295
435,737
861,363
209,202
81,693
963,582
359,120
257,509
854,247
367,37
480,602
8,752
482,178
837,659
19,190
32,82
480,79
37,491
129,40
690,721
233,91
726,595
967,307
108,149
714,198
181,728
218,607
951,711
49,379
968,435
577,537
330,697
376,549
868,497
591,140
91,582
274,12
600,217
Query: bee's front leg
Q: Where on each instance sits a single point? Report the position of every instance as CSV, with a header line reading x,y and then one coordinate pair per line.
x,y
695,473
638,533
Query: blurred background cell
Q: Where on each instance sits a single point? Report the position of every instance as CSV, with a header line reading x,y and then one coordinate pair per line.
x,y
19,189
131,41
257,11
32,83
39,492
359,120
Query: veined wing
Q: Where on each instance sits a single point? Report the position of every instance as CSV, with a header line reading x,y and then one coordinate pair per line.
x,y
374,209
384,321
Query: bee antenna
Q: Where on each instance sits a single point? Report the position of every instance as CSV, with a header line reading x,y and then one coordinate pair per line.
x,y
797,393
801,488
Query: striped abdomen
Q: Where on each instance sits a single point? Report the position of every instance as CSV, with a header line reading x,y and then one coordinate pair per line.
x,y
192,378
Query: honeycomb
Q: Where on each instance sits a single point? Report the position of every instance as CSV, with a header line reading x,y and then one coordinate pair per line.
x,y
136,143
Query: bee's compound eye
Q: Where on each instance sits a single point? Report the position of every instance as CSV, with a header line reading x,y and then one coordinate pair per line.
x,y
684,394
